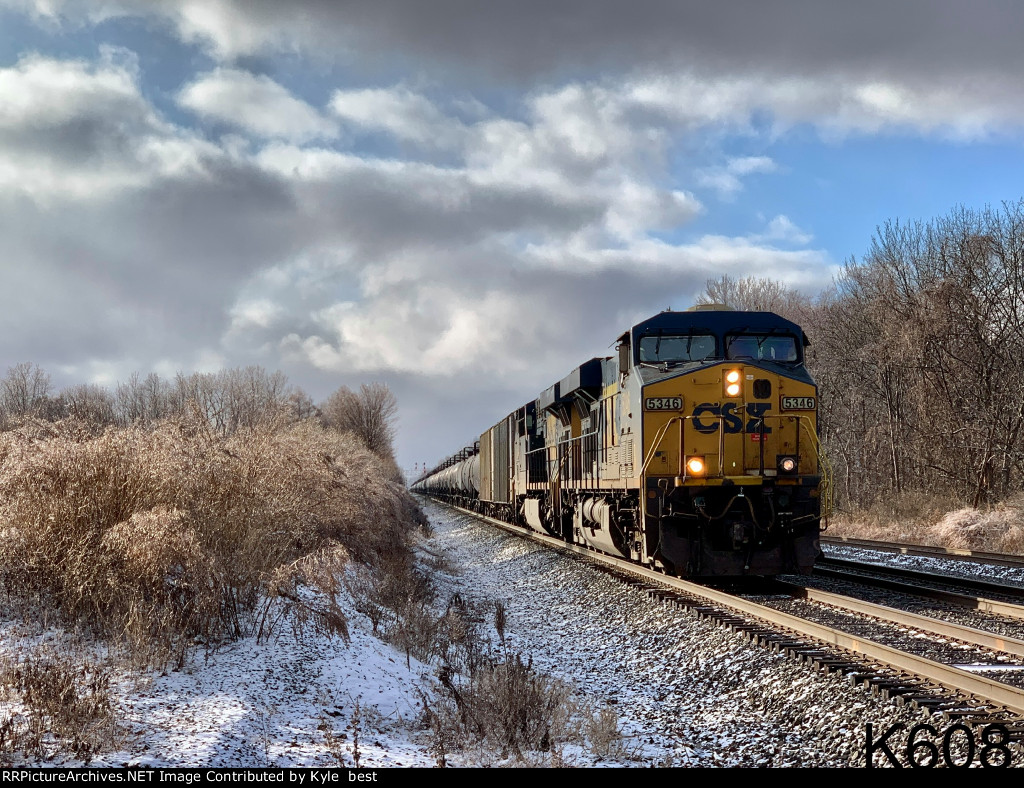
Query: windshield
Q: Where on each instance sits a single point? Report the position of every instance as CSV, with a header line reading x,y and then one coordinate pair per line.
x,y
761,347
676,347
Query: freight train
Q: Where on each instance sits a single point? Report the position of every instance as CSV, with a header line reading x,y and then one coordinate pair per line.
x,y
693,450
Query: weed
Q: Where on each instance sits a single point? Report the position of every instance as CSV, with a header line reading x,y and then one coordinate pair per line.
x,y
603,734
500,621
508,705
55,705
354,727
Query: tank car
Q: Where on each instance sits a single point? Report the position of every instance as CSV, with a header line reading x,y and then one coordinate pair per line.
x,y
693,450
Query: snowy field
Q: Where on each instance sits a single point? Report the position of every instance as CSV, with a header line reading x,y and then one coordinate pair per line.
x,y
685,692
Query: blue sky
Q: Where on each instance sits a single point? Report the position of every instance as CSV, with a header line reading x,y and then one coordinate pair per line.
x,y
462,200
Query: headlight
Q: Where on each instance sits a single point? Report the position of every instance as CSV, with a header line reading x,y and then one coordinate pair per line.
x,y
732,383
695,465
787,464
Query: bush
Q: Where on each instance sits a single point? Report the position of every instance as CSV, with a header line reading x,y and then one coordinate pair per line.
x,y
156,537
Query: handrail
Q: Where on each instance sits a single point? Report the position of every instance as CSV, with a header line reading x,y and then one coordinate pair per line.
x,y
659,436
826,490
559,464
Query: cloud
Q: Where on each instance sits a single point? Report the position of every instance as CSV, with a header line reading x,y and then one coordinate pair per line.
x,y
338,260
931,67
480,321
81,128
726,180
255,104
399,112
782,229
126,236
530,40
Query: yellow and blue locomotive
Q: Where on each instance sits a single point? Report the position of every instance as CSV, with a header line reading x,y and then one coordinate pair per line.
x,y
694,450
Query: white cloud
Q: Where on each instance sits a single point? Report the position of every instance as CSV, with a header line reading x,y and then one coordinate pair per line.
x,y
926,75
781,228
441,329
281,246
316,256
838,105
400,112
726,180
745,165
258,314
255,104
579,142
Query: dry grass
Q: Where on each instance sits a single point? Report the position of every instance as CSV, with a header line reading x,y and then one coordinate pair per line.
x,y
161,537
603,734
165,536
491,704
51,703
506,705
941,523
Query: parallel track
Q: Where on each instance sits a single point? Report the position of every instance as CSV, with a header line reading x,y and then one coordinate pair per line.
x,y
985,697
927,551
881,577
993,606
973,584
969,635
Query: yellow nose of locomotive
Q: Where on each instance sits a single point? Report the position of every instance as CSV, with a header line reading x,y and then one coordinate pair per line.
x,y
729,422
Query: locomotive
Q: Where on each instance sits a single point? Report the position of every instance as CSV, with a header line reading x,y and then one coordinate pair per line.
x,y
694,450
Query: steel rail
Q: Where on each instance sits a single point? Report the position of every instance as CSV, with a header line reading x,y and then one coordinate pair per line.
x,y
928,551
954,679
970,635
993,606
986,586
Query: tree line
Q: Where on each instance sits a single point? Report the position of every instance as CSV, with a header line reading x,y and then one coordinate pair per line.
x,y
229,400
918,352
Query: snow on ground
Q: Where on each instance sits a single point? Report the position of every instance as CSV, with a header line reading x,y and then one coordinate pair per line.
x,y
685,692
268,705
275,703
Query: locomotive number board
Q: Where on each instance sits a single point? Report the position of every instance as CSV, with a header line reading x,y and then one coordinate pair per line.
x,y
663,403
798,403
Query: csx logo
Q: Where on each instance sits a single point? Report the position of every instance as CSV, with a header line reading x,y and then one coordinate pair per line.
x,y
730,418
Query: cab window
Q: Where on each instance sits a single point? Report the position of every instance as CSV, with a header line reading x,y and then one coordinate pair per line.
x,y
676,347
761,347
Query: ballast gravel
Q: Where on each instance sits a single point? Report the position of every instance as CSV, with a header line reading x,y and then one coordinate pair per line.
x,y
687,693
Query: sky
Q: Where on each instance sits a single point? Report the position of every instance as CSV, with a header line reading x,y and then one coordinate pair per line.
x,y
462,200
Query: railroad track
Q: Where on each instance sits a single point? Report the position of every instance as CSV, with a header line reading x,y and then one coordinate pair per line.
x,y
957,693
927,551
968,635
988,597
919,576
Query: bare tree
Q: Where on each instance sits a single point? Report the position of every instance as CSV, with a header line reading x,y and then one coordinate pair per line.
x,y
370,414
25,391
920,358
143,400
252,395
301,405
756,294
88,402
